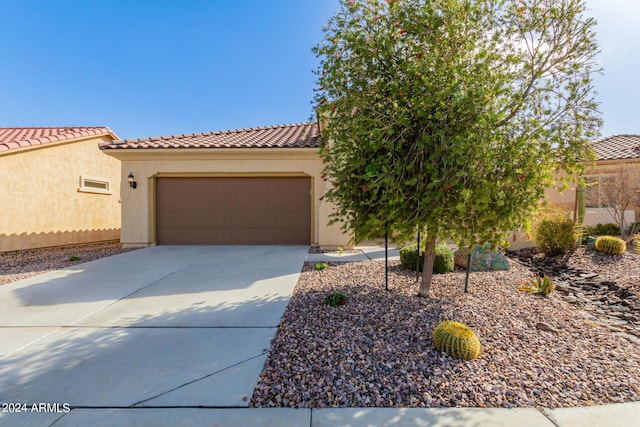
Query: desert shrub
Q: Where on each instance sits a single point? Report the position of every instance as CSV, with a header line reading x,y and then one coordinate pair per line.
x,y
443,262
538,285
335,299
610,245
634,228
321,266
457,340
408,255
556,235
606,230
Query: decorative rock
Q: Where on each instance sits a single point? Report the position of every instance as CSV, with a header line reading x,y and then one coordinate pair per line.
x,y
591,243
546,327
612,304
483,258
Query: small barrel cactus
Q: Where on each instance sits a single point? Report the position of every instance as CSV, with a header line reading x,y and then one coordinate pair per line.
x,y
610,245
457,340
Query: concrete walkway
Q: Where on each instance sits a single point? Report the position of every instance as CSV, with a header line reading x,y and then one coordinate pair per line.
x,y
164,326
177,336
620,415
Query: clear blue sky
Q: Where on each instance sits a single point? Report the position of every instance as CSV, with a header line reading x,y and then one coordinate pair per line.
x,y
152,67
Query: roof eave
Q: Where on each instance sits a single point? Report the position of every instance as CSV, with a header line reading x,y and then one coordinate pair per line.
x,y
64,141
210,153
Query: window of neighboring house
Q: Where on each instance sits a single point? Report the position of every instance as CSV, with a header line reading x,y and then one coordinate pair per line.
x,y
594,192
92,184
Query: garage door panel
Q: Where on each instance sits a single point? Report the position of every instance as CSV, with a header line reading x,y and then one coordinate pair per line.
x,y
186,219
296,221
296,203
206,220
233,210
243,201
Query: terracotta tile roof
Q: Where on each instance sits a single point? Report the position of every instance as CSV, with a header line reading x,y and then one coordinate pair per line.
x,y
13,138
618,147
299,135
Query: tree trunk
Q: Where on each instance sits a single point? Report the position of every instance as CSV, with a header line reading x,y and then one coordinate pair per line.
x,y
427,267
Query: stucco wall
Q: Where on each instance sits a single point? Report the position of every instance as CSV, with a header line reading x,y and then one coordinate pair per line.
x,y
138,228
39,198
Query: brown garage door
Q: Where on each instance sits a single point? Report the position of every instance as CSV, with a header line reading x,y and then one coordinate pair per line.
x,y
233,211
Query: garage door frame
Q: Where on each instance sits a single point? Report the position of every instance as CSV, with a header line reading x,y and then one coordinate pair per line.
x,y
152,192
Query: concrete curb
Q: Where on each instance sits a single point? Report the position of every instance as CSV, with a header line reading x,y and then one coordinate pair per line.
x,y
615,415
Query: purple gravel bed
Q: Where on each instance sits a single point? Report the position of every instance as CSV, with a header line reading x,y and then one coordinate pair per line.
x,y
376,350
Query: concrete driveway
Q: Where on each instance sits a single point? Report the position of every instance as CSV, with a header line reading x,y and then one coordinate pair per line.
x,y
166,326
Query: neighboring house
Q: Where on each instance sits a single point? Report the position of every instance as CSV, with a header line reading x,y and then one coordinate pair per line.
x,y
57,188
248,186
612,152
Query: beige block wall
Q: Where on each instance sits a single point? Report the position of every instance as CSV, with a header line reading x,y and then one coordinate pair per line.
x,y
138,227
39,198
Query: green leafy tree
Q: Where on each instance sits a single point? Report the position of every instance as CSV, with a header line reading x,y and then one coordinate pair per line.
x,y
452,115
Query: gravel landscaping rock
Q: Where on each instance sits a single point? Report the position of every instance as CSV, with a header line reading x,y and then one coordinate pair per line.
x,y
376,350
18,265
607,286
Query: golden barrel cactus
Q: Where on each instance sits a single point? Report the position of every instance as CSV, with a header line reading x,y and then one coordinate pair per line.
x,y
457,340
610,245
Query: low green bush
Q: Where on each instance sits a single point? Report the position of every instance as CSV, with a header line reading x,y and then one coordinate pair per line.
x,y
335,299
587,231
556,235
606,230
443,262
408,255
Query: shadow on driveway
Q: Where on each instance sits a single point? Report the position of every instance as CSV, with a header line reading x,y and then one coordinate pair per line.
x,y
138,365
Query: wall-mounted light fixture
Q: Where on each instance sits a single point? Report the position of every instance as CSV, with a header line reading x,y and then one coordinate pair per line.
x,y
132,181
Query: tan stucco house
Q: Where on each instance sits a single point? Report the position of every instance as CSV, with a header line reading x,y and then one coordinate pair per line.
x,y
613,152
57,188
248,186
